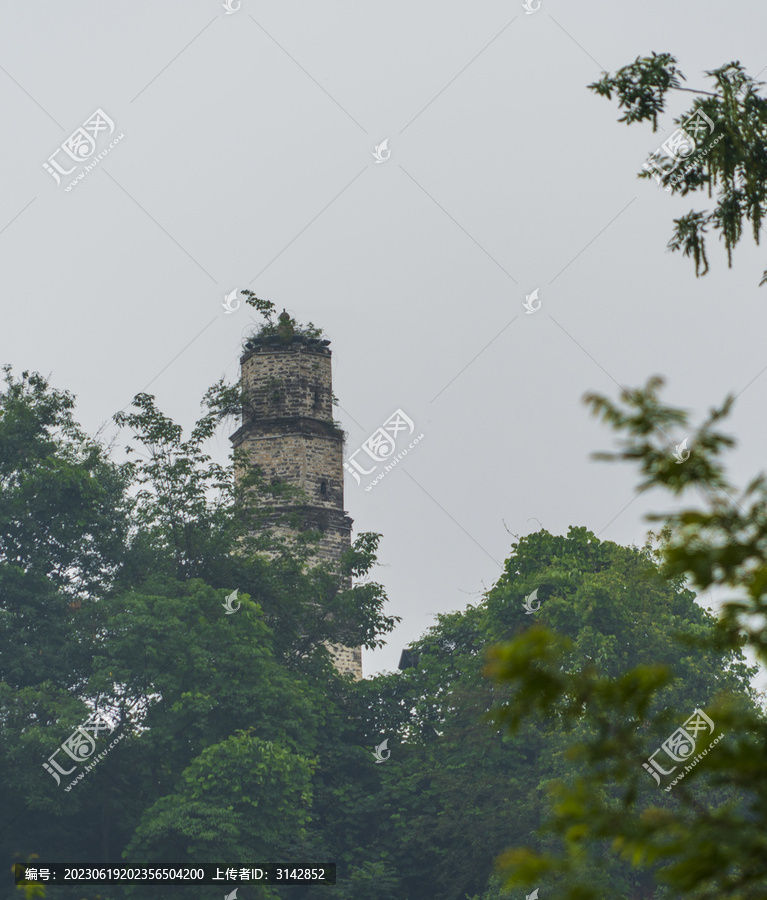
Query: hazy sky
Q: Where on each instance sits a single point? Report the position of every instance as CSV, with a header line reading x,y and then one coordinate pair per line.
x,y
247,162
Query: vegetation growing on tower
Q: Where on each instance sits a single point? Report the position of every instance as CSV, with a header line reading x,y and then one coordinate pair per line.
x,y
286,326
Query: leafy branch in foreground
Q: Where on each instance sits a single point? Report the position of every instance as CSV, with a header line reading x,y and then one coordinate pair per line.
x,y
733,164
707,838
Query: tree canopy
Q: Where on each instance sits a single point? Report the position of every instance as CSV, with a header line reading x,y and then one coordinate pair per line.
x,y
703,836
236,736
112,582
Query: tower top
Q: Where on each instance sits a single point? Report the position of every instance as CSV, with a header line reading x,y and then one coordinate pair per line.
x,y
287,334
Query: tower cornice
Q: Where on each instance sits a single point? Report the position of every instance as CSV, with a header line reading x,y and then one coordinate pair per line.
x,y
274,343
269,427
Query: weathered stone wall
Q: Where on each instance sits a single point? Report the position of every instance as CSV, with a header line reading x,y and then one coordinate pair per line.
x,y
293,452
289,380
288,432
347,660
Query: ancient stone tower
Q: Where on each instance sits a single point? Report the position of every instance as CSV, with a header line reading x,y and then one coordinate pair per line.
x,y
288,432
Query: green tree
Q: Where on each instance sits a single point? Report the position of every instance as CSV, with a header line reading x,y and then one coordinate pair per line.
x,y
64,518
63,523
459,791
702,837
193,518
240,799
144,554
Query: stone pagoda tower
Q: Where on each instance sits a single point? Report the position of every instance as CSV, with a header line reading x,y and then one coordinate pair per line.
x,y
288,432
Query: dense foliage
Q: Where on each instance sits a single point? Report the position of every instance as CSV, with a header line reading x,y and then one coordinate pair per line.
x,y
704,836
237,739
113,579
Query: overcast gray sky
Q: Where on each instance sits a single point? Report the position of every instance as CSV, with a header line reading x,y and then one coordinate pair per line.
x,y
247,161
